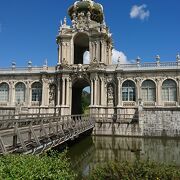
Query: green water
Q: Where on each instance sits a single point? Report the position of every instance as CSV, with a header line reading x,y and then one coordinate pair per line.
x,y
94,150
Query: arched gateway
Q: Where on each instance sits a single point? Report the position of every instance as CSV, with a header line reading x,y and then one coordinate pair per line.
x,y
87,33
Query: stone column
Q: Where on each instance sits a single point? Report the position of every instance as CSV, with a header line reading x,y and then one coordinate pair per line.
x,y
158,92
92,92
102,94
138,91
58,93
45,94
27,95
67,92
70,95
60,53
119,95
11,94
178,92
102,52
105,52
30,93
63,90
68,52
90,51
95,50
63,51
96,91
98,51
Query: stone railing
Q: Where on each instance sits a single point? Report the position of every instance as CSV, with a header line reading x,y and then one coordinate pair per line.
x,y
2,104
129,103
27,69
35,103
171,103
147,66
149,103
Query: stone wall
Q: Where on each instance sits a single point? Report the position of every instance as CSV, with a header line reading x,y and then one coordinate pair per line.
x,y
153,122
160,122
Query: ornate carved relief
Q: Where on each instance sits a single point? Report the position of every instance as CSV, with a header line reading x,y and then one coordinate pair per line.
x,y
110,93
52,94
80,22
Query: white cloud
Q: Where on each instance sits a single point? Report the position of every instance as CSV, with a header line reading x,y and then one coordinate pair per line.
x,y
86,58
118,55
139,12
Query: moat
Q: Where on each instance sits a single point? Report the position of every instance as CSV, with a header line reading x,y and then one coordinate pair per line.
x,y
94,150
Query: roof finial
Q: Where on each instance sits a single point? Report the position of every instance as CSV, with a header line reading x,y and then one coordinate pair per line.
x,y
65,20
178,57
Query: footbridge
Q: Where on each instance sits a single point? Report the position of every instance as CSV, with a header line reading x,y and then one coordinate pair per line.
x,y
36,133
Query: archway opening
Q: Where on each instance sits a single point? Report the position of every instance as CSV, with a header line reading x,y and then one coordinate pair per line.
x,y
86,57
80,97
81,45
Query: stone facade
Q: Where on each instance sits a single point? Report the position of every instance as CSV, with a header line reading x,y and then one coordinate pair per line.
x,y
150,122
115,88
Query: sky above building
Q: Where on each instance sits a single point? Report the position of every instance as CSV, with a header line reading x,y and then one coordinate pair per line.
x,y
144,28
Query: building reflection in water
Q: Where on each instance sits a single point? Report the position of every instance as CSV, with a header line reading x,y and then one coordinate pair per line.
x,y
95,150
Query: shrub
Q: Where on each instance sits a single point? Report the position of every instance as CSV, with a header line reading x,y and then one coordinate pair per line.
x,y
52,166
137,170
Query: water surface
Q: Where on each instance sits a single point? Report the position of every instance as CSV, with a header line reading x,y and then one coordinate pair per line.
x,y
94,150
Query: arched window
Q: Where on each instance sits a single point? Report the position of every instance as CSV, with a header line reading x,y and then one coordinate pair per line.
x,y
37,91
81,45
148,91
169,90
20,92
128,91
4,92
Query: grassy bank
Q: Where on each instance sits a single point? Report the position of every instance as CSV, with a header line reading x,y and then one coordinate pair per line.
x,y
138,170
30,167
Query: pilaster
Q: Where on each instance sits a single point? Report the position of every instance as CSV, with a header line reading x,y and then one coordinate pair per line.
x,y
58,92
92,92
119,95
45,94
63,90
158,92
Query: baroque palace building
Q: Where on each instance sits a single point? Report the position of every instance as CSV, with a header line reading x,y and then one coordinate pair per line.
x,y
114,88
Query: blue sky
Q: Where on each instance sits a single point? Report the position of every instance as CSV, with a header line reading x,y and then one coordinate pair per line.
x,y
28,29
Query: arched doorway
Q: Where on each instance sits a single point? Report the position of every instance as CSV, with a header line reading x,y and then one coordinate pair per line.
x,y
81,45
80,96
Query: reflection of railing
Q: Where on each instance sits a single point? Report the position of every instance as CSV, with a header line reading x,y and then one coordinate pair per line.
x,y
34,133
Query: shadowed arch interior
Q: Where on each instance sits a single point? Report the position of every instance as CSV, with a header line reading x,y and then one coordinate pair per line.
x,y
81,45
77,90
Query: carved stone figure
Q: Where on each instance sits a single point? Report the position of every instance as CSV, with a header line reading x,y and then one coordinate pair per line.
x,y
52,92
